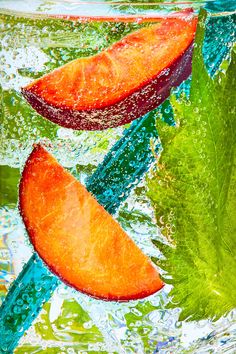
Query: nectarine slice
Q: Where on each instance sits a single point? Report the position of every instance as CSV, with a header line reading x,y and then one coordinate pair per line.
x,y
121,83
77,238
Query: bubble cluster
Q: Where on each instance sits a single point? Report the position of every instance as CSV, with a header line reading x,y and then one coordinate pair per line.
x,y
70,322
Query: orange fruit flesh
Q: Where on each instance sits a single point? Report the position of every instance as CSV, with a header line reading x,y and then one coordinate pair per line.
x,y
77,238
114,74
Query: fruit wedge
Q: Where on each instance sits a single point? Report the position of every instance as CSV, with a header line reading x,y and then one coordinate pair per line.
x,y
121,83
77,238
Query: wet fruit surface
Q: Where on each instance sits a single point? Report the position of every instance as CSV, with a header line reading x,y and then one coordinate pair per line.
x,y
77,238
121,83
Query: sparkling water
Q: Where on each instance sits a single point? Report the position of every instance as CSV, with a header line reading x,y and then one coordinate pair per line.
x,y
37,37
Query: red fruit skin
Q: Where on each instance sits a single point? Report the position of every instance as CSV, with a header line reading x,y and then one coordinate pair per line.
x,y
130,108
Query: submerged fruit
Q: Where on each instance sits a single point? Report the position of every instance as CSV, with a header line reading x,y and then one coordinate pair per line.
x,y
121,83
77,238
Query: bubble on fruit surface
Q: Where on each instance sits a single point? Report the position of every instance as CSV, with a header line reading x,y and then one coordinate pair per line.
x,y
72,322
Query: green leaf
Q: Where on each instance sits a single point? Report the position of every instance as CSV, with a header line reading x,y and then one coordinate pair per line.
x,y
70,326
137,320
193,193
19,121
9,179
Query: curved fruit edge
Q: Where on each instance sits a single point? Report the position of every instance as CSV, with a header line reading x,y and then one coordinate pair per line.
x,y
124,111
139,296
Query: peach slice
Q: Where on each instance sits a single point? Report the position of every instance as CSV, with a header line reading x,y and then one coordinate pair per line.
x,y
77,238
121,83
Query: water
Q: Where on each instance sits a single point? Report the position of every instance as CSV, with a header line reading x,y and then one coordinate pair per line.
x,y
113,164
